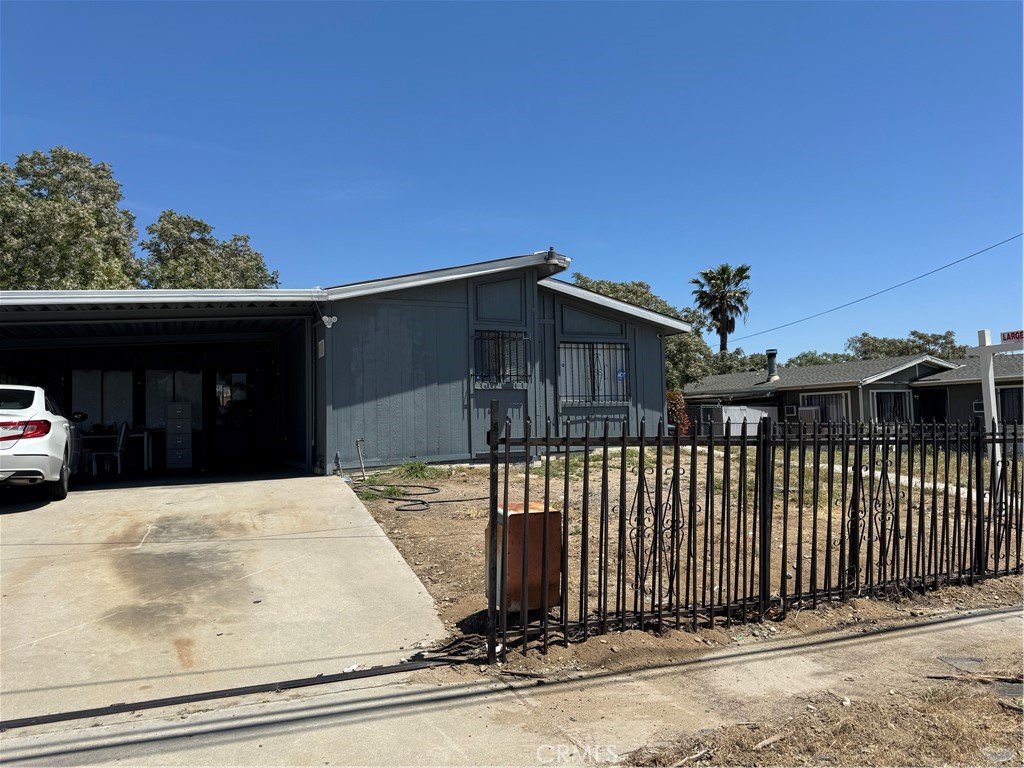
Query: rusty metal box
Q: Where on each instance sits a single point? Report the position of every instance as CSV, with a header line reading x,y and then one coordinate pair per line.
x,y
514,518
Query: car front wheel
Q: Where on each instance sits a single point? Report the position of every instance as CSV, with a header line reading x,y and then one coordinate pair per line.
x,y
58,489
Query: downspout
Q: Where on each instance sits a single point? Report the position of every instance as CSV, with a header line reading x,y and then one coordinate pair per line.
x,y
860,402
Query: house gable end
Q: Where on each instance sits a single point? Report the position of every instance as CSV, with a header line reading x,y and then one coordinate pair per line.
x,y
501,301
578,322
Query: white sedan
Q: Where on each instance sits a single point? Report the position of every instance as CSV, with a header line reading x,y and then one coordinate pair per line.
x,y
37,443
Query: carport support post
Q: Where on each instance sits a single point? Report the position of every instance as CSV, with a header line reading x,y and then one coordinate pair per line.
x,y
492,541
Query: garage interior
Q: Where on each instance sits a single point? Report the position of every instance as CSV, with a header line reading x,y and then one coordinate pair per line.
x,y
203,386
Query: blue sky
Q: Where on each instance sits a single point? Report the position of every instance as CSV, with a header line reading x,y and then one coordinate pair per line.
x,y
836,147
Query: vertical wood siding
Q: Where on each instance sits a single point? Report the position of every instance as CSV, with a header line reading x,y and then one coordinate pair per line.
x,y
400,368
400,379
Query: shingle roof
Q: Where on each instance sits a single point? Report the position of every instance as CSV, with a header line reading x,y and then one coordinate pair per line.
x,y
853,372
1007,367
833,374
732,384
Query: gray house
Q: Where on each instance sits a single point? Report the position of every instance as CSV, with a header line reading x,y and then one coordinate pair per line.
x,y
384,370
956,393
861,390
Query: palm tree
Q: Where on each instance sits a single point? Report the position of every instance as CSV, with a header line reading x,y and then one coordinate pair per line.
x,y
722,294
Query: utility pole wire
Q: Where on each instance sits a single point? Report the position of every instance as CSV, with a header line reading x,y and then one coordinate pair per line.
x,y
878,293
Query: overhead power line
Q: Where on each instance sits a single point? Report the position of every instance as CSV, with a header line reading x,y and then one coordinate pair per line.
x,y
879,293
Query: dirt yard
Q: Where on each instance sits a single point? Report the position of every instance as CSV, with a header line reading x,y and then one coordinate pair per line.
x,y
972,717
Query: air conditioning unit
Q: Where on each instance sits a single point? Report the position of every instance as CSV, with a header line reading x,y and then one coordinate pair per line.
x,y
790,410
810,414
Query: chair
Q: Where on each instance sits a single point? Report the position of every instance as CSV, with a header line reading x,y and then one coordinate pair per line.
x,y
117,453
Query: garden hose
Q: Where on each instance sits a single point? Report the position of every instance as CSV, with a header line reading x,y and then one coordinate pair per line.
x,y
410,499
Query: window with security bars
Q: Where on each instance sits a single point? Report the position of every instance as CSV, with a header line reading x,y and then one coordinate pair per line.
x,y
590,372
500,357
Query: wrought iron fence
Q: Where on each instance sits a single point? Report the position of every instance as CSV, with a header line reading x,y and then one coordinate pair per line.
x,y
601,532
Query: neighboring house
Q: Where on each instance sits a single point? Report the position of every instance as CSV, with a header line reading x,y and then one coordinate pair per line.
x,y
861,390
955,395
379,371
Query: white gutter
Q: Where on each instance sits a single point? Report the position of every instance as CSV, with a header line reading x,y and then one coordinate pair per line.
x,y
160,296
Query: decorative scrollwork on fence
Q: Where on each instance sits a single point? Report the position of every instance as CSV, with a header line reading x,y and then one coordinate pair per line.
x,y
998,505
641,531
654,531
885,528
872,523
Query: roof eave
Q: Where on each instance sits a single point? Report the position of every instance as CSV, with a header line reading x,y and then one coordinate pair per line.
x,y
547,262
916,361
158,296
819,385
693,396
975,380
670,324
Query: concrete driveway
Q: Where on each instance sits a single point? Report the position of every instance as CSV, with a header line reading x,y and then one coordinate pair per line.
x,y
131,593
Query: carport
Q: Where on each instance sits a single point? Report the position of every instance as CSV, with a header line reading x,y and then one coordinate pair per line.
x,y
205,380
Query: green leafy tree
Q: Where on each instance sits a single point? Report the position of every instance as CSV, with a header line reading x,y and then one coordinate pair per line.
x,y
942,345
868,347
813,357
738,361
61,226
183,253
687,356
722,294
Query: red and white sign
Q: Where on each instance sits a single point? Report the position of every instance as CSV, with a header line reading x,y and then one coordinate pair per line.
x,y
1006,336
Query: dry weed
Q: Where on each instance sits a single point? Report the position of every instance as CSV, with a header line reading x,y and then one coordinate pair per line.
x,y
949,725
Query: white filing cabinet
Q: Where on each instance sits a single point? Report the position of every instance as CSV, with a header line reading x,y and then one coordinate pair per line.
x,y
179,435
